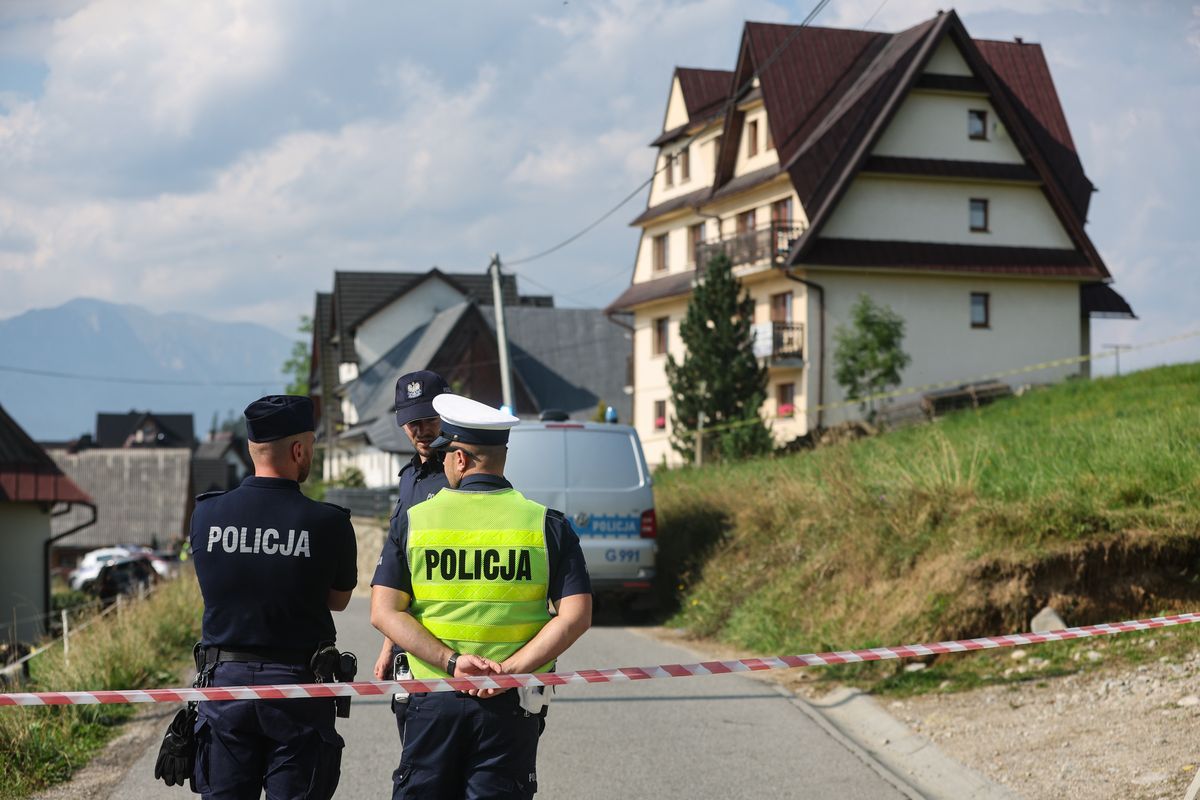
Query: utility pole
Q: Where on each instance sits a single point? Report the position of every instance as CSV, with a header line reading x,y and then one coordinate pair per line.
x,y
1117,348
501,335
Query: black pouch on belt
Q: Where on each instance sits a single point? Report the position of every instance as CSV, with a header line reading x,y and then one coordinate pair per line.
x,y
177,754
328,665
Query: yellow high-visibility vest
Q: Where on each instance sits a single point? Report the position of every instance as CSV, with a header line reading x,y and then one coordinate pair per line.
x,y
480,573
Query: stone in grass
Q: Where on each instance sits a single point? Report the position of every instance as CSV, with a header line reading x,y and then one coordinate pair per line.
x,y
1092,655
1186,702
1017,655
1047,620
914,666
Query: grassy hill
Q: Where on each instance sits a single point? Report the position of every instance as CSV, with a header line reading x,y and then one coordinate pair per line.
x,y
1084,496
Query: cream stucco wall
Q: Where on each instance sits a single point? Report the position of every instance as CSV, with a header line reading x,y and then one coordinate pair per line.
x,y
25,527
764,157
702,166
676,108
934,125
878,207
946,60
1031,322
650,370
380,332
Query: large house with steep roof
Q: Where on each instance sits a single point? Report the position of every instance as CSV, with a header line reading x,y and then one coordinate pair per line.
x,y
931,171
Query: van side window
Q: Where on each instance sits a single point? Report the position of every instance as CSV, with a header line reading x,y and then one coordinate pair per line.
x,y
536,460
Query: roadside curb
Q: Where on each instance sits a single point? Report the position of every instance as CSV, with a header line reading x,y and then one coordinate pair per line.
x,y
893,744
910,762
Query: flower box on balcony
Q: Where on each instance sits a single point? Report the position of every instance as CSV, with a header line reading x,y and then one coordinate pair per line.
x,y
660,423
786,409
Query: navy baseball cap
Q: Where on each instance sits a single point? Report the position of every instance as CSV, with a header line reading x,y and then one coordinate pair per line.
x,y
414,395
278,416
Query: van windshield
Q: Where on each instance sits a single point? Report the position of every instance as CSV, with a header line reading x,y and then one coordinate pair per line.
x,y
602,460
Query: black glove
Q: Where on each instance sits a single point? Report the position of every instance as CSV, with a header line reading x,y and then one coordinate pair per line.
x,y
178,752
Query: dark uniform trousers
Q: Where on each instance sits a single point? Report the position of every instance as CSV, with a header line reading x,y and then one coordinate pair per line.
x,y
287,747
457,746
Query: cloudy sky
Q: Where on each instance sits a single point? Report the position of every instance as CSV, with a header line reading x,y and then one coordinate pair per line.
x,y
226,157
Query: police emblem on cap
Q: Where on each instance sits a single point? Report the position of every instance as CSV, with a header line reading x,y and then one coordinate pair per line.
x,y
414,390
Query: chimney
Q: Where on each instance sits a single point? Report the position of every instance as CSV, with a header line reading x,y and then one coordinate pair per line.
x,y
1018,40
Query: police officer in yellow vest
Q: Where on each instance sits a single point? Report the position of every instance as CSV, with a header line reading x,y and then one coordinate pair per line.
x,y
464,584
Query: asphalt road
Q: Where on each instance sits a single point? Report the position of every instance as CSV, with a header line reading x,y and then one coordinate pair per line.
x,y
716,736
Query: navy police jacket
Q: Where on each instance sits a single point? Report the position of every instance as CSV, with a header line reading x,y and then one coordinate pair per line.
x,y
266,557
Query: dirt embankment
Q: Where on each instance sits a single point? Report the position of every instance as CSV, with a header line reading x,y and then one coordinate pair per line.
x,y
1125,575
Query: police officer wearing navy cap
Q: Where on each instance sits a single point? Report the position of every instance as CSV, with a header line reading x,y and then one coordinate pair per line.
x,y
464,584
420,479
271,564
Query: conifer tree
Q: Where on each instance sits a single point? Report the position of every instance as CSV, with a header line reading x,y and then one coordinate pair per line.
x,y
719,375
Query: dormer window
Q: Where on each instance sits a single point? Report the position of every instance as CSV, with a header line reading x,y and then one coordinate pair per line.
x,y
977,124
752,138
685,164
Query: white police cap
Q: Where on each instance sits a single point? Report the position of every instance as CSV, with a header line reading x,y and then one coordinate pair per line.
x,y
470,422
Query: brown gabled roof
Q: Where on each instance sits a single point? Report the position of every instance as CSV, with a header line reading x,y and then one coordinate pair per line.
x,y
674,285
703,90
27,473
1025,76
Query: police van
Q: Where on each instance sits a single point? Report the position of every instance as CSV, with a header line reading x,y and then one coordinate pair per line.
x,y
596,474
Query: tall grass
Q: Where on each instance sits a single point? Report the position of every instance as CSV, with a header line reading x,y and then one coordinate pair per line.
x,y
908,534
145,645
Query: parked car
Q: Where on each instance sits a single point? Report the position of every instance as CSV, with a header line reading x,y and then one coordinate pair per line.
x,y
89,566
128,575
597,475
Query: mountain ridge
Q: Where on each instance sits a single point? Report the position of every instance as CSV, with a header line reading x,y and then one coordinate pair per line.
x,y
100,342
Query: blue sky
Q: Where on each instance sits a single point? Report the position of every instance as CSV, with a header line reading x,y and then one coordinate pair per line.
x,y
225,157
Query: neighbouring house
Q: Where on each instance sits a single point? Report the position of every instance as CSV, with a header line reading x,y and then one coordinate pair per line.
x,y
144,429
33,492
375,326
931,171
366,315
220,463
143,496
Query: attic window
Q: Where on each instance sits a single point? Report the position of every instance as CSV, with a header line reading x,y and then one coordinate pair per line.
x,y
979,215
669,171
977,124
685,164
752,138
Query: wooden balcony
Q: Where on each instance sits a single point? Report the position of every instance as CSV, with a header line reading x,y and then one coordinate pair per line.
x,y
765,245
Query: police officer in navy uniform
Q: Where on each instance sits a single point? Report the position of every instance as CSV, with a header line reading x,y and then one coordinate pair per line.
x,y
420,479
464,584
271,564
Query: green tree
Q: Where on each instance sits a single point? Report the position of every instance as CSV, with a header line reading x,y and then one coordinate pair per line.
x,y
869,355
719,376
299,363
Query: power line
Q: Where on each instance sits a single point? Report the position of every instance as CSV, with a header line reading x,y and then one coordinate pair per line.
x,y
141,381
729,103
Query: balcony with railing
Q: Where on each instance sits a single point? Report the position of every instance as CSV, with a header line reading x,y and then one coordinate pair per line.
x,y
781,344
765,245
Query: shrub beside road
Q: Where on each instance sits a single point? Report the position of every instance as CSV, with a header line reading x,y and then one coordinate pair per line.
x,y
146,645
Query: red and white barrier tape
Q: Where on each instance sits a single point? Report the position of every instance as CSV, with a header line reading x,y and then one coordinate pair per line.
x,y
376,688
